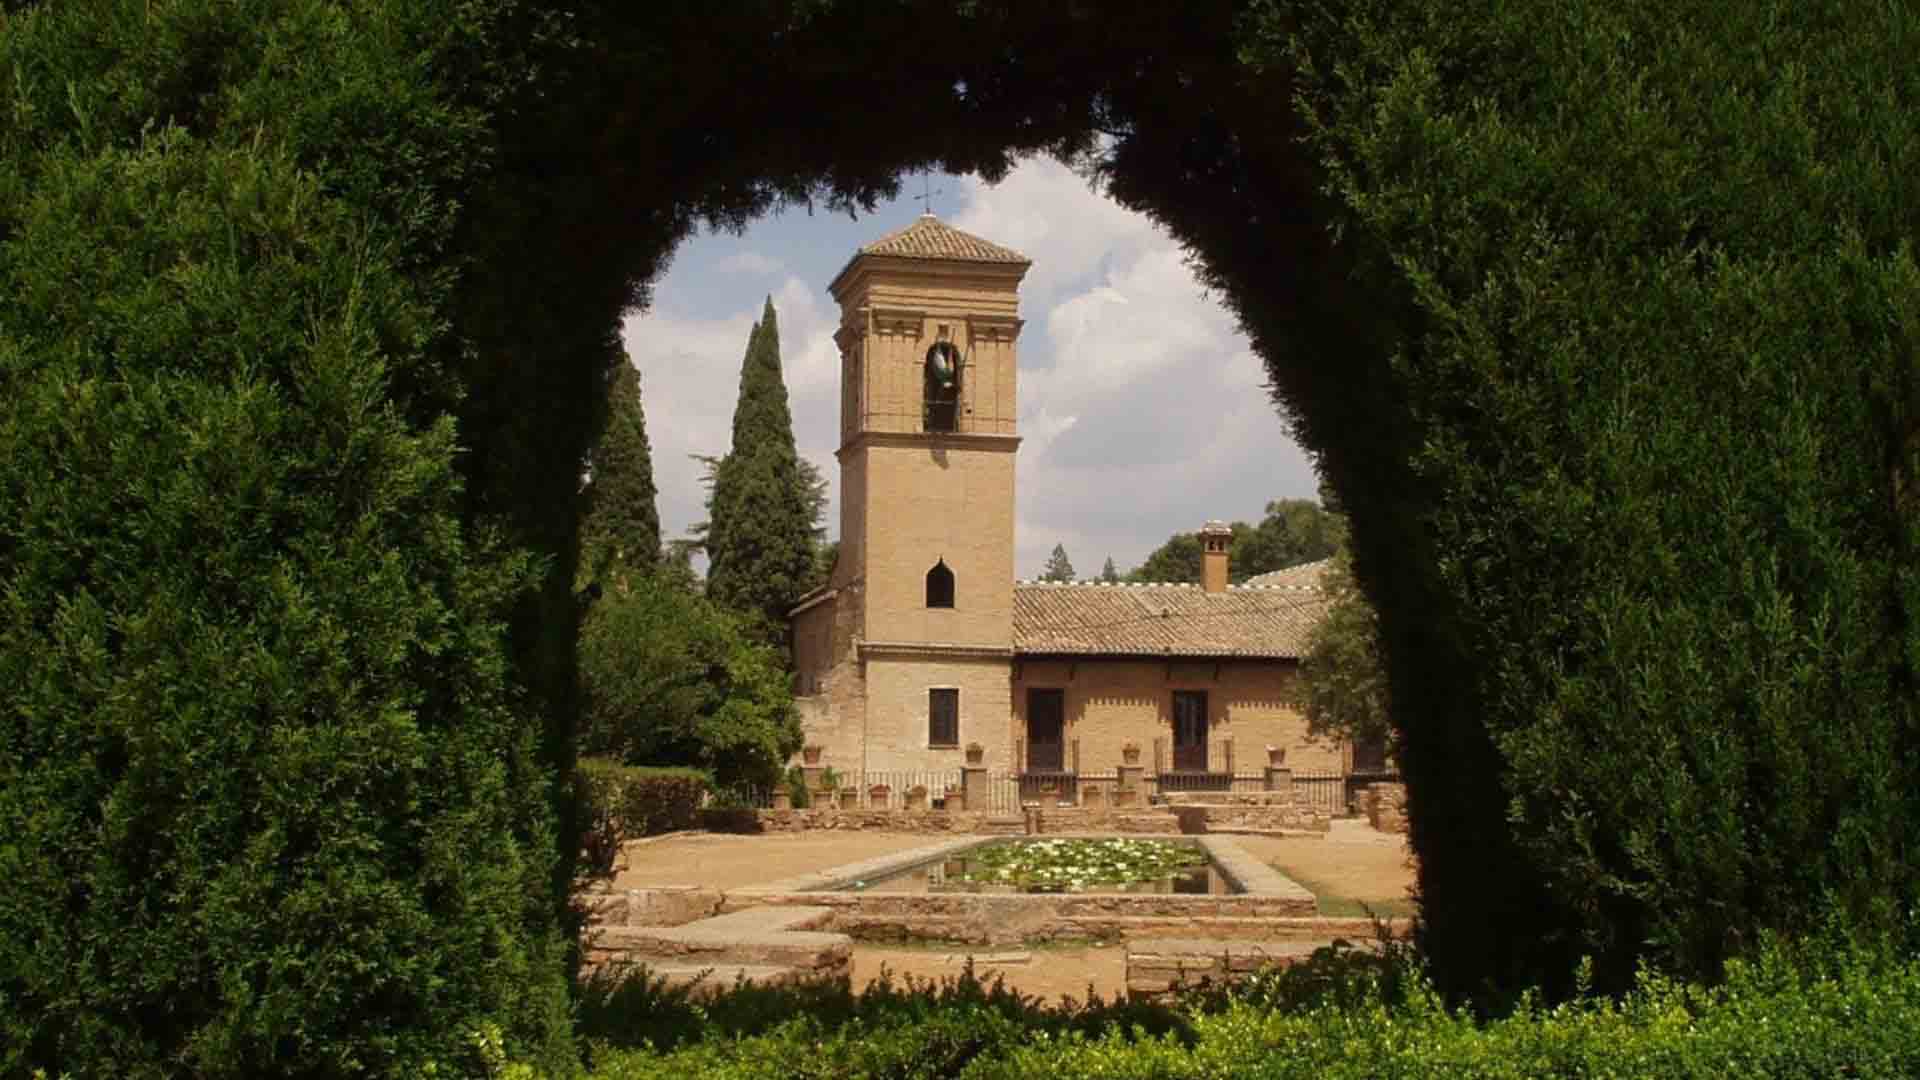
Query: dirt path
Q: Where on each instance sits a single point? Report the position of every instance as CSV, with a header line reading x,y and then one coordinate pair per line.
x,y
1351,863
727,861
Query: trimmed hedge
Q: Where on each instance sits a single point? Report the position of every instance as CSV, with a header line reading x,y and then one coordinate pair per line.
x,y
625,801
1348,1017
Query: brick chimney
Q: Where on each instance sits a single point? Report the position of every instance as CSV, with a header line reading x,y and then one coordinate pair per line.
x,y
1214,538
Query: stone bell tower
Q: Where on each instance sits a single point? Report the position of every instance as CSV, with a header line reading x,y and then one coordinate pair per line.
x,y
929,324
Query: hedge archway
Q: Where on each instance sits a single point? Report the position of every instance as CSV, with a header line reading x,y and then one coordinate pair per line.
x,y
1600,323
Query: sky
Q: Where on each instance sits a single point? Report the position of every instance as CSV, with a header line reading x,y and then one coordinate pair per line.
x,y
1143,409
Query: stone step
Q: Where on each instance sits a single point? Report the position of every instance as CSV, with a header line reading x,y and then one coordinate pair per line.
x,y
769,920
695,944
719,978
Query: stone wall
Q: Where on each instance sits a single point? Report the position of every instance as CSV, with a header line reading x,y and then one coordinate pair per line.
x,y
1048,820
1386,806
1110,703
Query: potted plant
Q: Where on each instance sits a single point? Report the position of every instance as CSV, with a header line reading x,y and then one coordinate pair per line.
x,y
878,795
1130,752
975,752
811,754
1276,755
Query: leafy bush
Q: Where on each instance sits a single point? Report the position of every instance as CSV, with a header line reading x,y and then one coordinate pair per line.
x,y
1628,456
270,801
622,802
1788,1013
668,677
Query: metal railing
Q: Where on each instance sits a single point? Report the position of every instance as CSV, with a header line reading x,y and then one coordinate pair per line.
x,y
1333,793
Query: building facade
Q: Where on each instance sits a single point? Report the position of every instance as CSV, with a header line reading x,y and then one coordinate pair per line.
x,y
922,642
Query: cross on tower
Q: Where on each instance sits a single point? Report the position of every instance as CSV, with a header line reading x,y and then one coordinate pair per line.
x,y
927,192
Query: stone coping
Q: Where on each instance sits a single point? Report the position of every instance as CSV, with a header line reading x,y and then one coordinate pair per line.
x,y
1248,874
1251,876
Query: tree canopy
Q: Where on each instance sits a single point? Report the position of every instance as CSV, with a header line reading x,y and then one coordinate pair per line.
x,y
1342,687
669,678
1059,567
1294,531
763,515
621,533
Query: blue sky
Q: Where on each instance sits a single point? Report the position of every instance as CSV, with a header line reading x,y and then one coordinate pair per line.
x,y
1143,410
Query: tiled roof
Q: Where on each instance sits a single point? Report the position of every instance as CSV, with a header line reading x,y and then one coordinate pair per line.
x,y
1162,620
931,238
1304,576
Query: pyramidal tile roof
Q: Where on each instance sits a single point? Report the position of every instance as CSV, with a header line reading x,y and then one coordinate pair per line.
x,y
930,238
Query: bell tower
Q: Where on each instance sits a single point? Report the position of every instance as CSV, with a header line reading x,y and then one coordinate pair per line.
x,y
929,324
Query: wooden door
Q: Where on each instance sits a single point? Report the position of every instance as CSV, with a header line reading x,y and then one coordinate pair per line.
x,y
1190,731
1046,731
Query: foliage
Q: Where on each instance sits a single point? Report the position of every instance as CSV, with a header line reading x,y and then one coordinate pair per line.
x,y
1345,1014
620,535
271,799
1108,574
796,781
670,679
1059,567
638,1027
1633,510
1342,688
1076,865
1294,531
1176,561
760,539
623,802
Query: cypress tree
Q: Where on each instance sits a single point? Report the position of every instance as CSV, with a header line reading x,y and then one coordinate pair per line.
x,y
1109,573
760,536
621,534
1059,567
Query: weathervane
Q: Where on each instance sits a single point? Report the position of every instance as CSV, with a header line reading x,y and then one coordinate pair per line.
x,y
927,192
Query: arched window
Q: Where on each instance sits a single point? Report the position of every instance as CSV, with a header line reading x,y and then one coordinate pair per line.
x,y
940,585
942,385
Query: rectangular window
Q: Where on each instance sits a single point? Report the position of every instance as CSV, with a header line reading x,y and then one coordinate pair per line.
x,y
943,716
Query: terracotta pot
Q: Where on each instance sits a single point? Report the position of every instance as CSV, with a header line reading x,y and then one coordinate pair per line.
x,y
1276,755
975,753
1130,754
810,755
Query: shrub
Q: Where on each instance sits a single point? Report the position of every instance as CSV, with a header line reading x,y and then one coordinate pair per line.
x,y
1798,1013
621,802
669,678
270,803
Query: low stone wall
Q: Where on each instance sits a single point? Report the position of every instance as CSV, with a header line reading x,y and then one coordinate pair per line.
x,y
1386,806
657,905
931,822
1156,967
1266,907
1249,811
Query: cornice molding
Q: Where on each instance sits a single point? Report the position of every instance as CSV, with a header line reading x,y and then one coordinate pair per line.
x,y
923,440
941,649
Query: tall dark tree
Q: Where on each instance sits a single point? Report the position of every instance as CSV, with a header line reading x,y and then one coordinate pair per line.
x,y
1107,572
621,533
1059,567
760,542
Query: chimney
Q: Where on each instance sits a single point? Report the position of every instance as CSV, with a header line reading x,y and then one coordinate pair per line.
x,y
1214,538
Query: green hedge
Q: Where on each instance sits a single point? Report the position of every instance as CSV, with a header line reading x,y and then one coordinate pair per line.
x,y
1773,1018
625,801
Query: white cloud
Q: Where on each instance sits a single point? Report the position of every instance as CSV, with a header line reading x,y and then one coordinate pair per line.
x,y
749,262
1143,409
